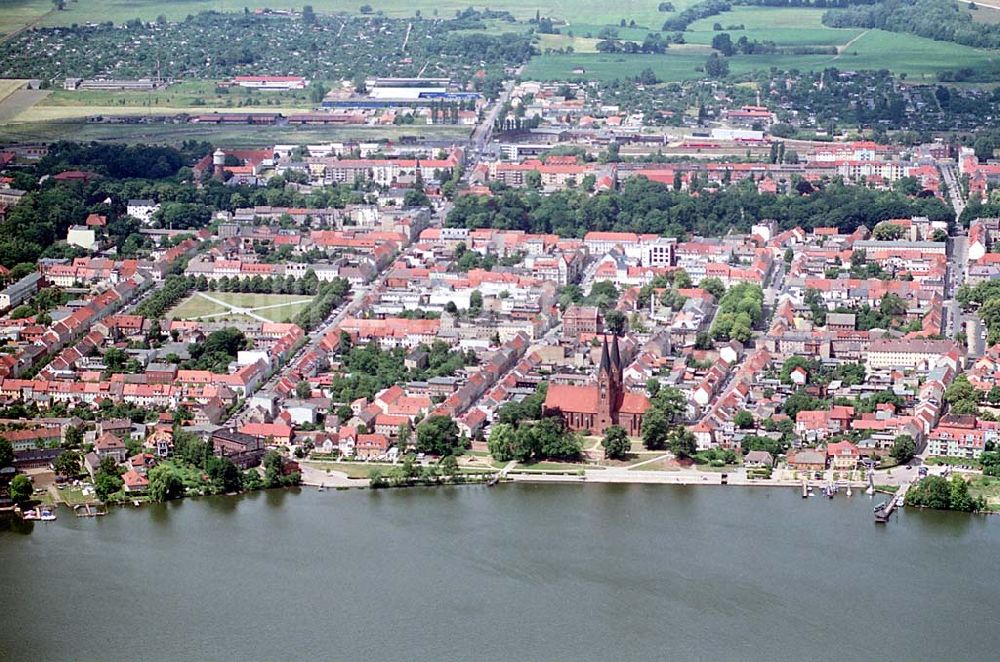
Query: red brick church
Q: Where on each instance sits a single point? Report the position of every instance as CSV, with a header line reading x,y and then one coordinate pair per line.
x,y
596,407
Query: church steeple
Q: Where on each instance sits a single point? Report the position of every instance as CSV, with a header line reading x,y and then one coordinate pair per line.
x,y
616,357
605,366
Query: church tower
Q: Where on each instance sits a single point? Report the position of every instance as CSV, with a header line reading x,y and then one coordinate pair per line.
x,y
609,386
616,376
605,390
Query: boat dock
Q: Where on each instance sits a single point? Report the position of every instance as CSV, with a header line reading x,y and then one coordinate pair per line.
x,y
882,512
85,510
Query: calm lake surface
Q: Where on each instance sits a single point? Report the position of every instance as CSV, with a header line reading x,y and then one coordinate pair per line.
x,y
517,572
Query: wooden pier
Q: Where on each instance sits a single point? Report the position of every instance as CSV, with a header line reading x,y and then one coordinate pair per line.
x,y
882,514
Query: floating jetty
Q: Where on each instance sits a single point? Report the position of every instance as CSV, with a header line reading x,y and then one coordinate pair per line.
x,y
884,510
86,511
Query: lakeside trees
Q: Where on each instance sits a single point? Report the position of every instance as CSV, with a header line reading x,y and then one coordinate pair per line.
x,y
20,489
438,435
941,494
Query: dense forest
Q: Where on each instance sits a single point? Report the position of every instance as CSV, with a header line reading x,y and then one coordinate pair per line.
x,y
651,207
935,19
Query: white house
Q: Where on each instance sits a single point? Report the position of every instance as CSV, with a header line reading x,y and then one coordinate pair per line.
x,y
142,210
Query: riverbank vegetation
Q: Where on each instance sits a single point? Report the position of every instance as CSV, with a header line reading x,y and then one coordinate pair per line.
x,y
942,494
194,470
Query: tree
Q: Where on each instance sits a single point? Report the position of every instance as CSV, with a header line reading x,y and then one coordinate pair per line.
x,y
616,443
475,302
652,387
903,448
655,428
616,322
6,454
165,483
682,442
68,464
303,389
449,466
716,66
438,435
724,44
743,419
671,402
887,232
21,489
502,442
713,286
226,476
308,15
106,484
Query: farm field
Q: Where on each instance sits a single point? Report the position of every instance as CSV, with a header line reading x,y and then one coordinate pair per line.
x,y
40,112
785,27
593,11
18,14
675,65
240,307
919,58
224,136
194,94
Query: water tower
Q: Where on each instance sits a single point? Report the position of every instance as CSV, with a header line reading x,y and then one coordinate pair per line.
x,y
218,162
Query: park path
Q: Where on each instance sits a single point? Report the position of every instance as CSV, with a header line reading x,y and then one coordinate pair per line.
x,y
244,311
665,456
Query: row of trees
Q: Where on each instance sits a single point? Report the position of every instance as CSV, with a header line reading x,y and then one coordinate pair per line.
x,y
329,295
695,12
645,206
942,20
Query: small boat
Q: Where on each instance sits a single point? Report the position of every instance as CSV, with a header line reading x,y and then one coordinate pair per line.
x,y
136,503
47,516
320,488
879,508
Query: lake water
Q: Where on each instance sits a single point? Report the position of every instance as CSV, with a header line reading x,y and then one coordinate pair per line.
x,y
516,572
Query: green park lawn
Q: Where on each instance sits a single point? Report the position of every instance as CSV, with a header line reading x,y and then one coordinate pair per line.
x,y
274,307
988,488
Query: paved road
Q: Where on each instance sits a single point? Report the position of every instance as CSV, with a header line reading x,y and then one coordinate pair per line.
x,y
950,175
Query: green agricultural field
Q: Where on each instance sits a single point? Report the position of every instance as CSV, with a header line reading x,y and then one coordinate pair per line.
x,y
919,58
240,306
785,27
222,136
914,56
590,11
19,14
675,65
194,95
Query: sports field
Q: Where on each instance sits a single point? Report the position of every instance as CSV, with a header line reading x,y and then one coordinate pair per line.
x,y
240,307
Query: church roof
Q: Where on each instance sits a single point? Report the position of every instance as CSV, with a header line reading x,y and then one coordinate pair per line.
x,y
572,398
634,403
